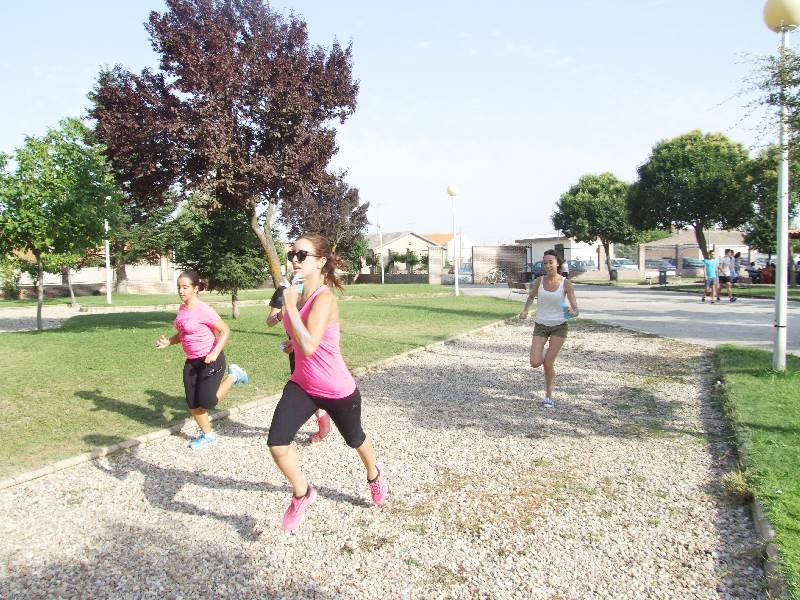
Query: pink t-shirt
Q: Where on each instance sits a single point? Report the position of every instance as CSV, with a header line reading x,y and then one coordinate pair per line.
x,y
323,374
196,328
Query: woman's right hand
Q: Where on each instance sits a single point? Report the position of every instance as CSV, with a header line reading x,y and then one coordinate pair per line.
x,y
523,315
163,342
286,346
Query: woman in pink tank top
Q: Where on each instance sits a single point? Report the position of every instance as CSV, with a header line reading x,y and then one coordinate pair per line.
x,y
320,379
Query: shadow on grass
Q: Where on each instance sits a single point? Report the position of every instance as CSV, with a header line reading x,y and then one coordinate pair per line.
x,y
161,410
128,320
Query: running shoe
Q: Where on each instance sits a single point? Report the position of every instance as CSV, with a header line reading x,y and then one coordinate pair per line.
x,y
239,373
379,487
204,439
733,299
548,402
704,299
297,509
324,426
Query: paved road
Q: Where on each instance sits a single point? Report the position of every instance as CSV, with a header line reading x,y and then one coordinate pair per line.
x,y
749,321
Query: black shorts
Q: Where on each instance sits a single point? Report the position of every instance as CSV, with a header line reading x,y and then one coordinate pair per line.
x,y
724,279
201,381
296,407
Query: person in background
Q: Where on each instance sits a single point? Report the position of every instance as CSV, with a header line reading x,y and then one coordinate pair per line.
x,y
711,267
552,290
203,335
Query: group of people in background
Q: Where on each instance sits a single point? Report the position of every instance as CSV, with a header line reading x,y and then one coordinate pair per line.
x,y
721,272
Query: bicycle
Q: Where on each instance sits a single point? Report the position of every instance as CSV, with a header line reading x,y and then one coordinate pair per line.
x,y
495,275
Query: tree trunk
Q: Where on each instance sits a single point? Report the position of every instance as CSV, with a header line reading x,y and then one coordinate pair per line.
x,y
65,274
121,284
39,291
607,250
235,303
267,243
701,238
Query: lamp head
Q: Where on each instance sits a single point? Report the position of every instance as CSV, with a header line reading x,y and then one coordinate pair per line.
x,y
452,190
782,14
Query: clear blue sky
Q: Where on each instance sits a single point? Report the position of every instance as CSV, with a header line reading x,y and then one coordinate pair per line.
x,y
513,103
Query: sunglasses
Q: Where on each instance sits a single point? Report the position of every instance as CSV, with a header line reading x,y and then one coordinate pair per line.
x,y
301,255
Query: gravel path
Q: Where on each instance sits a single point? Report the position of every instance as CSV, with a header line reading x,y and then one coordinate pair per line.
x,y
614,493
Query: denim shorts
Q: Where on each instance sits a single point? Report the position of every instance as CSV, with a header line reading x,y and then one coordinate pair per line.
x,y
547,331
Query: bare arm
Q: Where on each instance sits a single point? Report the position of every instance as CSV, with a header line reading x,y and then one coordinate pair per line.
x,y
308,335
275,316
531,295
573,303
223,333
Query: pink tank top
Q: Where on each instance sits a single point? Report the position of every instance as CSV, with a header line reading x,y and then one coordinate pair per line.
x,y
323,374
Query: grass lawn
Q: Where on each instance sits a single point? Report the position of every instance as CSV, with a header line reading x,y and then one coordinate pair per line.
x,y
99,379
355,291
765,410
746,291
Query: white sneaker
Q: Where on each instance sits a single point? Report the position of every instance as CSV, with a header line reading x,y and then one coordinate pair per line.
x,y
548,402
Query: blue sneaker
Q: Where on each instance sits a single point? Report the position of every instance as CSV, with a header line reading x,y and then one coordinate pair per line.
x,y
204,439
239,373
548,402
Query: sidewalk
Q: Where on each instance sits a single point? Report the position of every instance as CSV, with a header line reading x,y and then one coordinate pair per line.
x,y
614,493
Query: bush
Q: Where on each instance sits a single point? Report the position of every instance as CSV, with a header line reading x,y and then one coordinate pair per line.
x,y
9,279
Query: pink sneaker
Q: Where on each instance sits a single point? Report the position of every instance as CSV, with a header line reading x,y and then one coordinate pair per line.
x,y
297,509
379,487
324,425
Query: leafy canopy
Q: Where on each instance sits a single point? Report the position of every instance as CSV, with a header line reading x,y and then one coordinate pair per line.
x,y
595,208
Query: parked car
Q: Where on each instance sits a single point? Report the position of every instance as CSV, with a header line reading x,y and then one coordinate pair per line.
x,y
693,263
580,266
536,269
657,264
624,263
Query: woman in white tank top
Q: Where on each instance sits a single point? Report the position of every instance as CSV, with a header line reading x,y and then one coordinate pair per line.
x,y
552,313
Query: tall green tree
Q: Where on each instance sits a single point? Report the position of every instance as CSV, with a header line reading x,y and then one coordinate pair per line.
x,y
595,209
760,231
242,108
695,180
222,247
56,199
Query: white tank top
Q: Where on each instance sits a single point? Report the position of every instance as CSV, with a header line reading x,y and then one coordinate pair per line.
x,y
548,306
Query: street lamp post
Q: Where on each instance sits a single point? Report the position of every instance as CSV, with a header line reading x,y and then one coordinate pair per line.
x,y
108,260
380,243
452,191
782,16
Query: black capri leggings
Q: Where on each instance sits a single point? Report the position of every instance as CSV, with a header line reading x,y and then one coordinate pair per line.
x,y
296,407
201,381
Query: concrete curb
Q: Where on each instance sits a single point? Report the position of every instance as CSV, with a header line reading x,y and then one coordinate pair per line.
x,y
223,414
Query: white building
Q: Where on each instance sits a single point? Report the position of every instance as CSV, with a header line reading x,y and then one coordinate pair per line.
x,y
567,247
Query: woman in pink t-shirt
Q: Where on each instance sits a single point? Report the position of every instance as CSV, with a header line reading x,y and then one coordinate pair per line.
x,y
203,335
320,378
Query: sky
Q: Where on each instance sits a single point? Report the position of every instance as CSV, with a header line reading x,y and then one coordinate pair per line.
x,y
512,104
